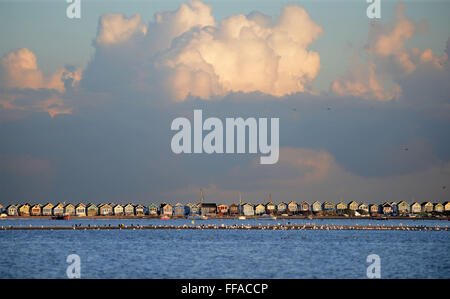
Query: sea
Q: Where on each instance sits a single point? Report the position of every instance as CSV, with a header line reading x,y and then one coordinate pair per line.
x,y
209,253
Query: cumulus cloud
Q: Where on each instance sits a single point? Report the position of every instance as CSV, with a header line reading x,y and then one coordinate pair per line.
x,y
247,54
114,29
185,53
363,81
19,69
388,60
169,25
19,73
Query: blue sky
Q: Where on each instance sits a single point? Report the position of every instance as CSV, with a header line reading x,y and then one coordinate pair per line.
x,y
86,104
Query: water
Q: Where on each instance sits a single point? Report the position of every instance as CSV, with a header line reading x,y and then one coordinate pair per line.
x,y
223,253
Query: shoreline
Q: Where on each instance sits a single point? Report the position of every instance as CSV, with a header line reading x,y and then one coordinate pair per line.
x,y
235,227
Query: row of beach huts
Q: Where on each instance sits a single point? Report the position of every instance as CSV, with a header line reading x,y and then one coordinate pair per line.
x,y
212,209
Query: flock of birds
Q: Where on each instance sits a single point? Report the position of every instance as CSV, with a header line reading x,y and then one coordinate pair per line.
x,y
278,226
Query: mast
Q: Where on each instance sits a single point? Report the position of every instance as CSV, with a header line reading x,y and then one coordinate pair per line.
x,y
240,203
270,202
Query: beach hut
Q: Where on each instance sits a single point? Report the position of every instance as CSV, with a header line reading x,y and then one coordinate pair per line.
x,y
58,210
248,209
403,207
363,208
316,206
117,210
195,209
353,206
271,208
260,209
178,210
128,210
36,210
439,208
47,209
427,207
208,209
11,210
374,208
304,207
281,208
105,210
341,206
292,208
24,210
234,209
91,210
416,208
328,206
187,208
386,208
222,209
394,207
69,209
446,206
166,209
153,209
80,210
139,210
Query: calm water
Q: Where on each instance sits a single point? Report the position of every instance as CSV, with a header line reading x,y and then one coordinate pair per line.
x,y
223,253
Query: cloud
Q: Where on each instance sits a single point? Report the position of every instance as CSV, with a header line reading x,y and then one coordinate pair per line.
x,y
362,80
23,86
19,69
169,25
246,54
388,60
114,29
184,53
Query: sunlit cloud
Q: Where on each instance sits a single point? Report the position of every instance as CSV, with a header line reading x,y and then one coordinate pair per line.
x,y
388,60
184,53
20,75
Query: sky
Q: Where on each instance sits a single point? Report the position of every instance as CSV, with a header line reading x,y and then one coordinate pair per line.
x,y
86,104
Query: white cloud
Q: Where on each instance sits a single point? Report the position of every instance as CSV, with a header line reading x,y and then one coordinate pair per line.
x,y
388,60
19,72
246,54
185,53
114,28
